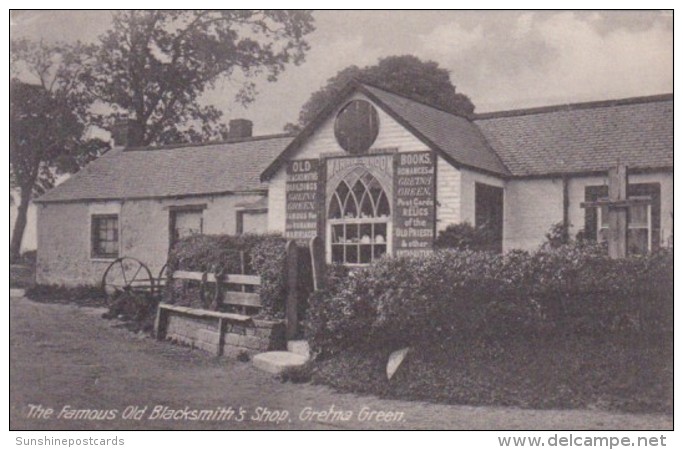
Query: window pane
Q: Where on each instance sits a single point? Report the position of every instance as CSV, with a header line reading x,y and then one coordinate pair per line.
x,y
337,233
604,217
338,253
638,216
352,254
637,241
380,236
350,209
351,233
383,206
335,207
365,233
342,191
367,209
365,253
110,248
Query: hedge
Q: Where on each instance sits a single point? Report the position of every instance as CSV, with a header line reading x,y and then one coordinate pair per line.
x,y
264,255
450,295
614,373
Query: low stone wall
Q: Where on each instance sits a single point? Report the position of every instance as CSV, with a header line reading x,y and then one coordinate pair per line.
x,y
219,333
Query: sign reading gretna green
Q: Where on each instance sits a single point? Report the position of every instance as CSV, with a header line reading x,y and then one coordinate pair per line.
x,y
302,199
414,203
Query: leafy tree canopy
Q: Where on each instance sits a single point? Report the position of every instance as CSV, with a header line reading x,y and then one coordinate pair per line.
x,y
406,75
153,66
49,119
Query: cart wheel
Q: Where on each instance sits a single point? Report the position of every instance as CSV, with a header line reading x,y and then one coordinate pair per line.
x,y
126,275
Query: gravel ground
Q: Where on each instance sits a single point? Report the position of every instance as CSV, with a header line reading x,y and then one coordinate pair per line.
x,y
68,359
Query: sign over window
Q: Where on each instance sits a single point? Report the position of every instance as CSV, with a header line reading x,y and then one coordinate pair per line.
x,y
357,126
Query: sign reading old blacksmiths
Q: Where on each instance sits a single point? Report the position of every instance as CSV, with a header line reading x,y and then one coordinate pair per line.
x,y
302,190
415,203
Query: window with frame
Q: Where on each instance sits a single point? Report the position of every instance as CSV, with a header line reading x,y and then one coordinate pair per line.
x,y
644,219
358,220
639,232
104,234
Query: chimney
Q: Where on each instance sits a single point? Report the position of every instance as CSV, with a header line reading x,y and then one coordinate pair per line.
x,y
120,132
240,128
125,133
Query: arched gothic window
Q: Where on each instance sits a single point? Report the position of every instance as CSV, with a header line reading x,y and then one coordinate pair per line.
x,y
358,219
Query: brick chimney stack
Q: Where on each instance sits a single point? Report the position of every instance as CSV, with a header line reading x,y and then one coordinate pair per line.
x,y
240,128
122,133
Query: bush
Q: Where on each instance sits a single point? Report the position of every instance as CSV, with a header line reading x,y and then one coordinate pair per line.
x,y
297,374
138,309
451,295
633,375
557,236
463,236
263,255
562,327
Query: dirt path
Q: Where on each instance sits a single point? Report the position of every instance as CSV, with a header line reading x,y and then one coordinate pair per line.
x,y
67,358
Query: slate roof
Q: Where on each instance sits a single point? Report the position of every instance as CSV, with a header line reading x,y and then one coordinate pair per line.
x,y
583,137
548,141
170,171
456,136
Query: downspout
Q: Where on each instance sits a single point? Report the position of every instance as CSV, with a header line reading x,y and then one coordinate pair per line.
x,y
565,206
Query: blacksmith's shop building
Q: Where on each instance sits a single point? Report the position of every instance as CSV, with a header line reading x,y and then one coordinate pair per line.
x,y
374,174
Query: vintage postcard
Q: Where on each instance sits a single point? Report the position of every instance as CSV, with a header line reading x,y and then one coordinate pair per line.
x,y
342,220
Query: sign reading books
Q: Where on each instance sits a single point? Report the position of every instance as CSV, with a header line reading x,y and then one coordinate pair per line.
x,y
414,203
302,199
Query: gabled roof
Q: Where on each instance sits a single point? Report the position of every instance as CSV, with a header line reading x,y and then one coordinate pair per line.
x,y
548,141
455,138
583,137
173,171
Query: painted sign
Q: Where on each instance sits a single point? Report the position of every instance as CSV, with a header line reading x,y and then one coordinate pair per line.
x,y
414,203
379,163
302,199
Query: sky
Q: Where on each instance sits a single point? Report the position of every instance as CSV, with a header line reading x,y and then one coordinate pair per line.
x,y
500,59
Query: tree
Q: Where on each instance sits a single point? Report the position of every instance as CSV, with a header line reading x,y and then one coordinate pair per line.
x,y
406,75
48,122
153,66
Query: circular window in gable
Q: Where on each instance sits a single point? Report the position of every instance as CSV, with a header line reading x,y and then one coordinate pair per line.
x,y
357,126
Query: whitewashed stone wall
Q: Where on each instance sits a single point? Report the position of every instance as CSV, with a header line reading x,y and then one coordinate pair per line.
x,y
532,207
64,234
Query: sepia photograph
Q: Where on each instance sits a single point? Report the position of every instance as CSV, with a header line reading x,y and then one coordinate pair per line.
x,y
342,220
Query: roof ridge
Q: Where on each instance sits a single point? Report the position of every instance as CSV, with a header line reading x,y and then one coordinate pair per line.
x,y
413,100
209,143
573,106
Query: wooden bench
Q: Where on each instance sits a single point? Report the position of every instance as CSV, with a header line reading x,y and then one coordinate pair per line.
x,y
240,299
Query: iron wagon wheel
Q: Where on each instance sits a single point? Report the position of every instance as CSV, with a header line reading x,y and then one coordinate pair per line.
x,y
126,275
160,281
